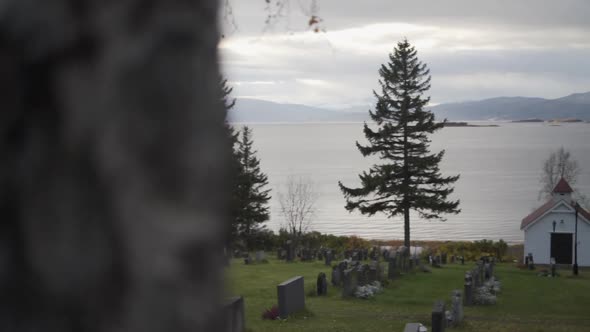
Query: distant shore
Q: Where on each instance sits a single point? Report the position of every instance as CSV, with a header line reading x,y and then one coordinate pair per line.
x,y
552,121
465,124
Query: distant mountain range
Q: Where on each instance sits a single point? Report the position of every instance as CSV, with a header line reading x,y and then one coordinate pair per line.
x,y
502,108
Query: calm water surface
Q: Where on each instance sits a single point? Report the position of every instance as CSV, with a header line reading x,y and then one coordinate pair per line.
x,y
499,167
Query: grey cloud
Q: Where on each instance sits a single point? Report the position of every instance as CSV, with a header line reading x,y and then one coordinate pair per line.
x,y
250,15
530,48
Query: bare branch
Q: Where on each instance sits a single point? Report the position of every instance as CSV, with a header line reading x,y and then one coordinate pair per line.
x,y
297,202
559,164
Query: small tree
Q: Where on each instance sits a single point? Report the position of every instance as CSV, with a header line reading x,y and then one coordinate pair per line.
x,y
297,205
251,196
409,177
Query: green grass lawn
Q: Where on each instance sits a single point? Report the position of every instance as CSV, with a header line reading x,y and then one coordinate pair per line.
x,y
527,302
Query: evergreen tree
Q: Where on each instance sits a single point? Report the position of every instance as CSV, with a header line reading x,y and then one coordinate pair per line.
x,y
409,177
228,103
251,197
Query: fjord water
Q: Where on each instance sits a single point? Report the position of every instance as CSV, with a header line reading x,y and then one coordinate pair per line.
x,y
500,169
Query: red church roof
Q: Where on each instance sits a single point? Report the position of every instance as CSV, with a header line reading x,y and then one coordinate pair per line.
x,y
563,187
548,206
537,213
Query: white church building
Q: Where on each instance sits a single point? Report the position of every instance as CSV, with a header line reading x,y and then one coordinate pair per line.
x,y
550,230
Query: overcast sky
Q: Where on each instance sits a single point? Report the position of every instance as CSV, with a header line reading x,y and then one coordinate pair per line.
x,y
475,49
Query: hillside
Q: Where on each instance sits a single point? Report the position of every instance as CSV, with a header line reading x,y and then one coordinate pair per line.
x,y
502,108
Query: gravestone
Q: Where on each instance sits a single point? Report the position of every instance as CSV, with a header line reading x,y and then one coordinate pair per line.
x,y
391,268
386,255
457,307
438,317
444,258
247,260
290,251
322,284
260,256
336,276
291,296
462,260
343,265
363,274
481,273
235,314
487,267
468,290
373,254
374,271
349,282
475,277
414,327
328,258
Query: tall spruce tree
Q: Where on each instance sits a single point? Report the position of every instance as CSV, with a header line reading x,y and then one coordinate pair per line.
x,y
251,196
408,178
228,103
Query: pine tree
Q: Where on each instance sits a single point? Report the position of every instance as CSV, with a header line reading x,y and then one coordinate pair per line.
x,y
228,103
252,198
408,178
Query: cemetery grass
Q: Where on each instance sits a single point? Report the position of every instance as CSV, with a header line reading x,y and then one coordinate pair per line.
x,y
527,302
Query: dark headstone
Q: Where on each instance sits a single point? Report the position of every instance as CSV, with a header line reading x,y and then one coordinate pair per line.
x,y
468,290
373,253
343,265
363,274
487,271
374,271
347,254
336,276
386,255
443,258
462,260
328,258
391,268
290,251
322,284
235,315
291,295
248,260
457,307
349,282
438,317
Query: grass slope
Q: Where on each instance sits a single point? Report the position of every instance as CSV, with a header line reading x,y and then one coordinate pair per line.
x,y
527,302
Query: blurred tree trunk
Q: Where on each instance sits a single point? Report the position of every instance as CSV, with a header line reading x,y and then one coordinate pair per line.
x,y
113,164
